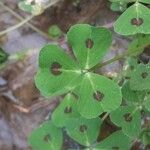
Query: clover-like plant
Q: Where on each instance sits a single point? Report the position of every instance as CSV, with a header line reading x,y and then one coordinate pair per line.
x,y
90,99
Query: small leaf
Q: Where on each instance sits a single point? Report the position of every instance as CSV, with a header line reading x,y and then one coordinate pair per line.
x,y
67,109
57,72
3,56
117,6
98,94
46,137
89,43
23,5
134,20
54,31
84,131
116,141
129,118
140,78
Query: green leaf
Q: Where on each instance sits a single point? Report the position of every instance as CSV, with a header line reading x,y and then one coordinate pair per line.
x,y
46,137
116,141
84,131
129,118
23,5
54,31
146,102
140,78
131,96
117,6
89,43
98,94
134,20
137,46
57,72
145,136
3,56
145,1
67,109
35,9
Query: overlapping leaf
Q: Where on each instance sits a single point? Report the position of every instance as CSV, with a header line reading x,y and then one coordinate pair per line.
x,y
129,119
140,78
46,137
57,72
98,94
89,44
84,131
67,109
134,20
116,141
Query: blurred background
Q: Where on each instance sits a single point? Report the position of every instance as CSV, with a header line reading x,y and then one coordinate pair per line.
x,y
22,35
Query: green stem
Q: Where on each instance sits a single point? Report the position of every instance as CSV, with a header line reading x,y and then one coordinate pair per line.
x,y
116,58
105,116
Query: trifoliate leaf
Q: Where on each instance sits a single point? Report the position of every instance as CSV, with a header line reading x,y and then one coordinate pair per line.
x,y
57,72
67,109
134,20
140,78
46,137
3,56
129,119
89,43
84,131
98,94
116,141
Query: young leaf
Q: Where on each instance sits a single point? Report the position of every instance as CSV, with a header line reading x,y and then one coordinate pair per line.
x,y
116,141
57,73
129,118
140,78
98,94
84,131
89,43
67,109
46,137
134,20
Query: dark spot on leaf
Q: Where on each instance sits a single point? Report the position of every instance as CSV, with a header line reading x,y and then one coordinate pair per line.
x,y
128,78
137,21
131,67
89,43
55,68
98,96
47,138
115,148
83,128
144,75
68,110
128,117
